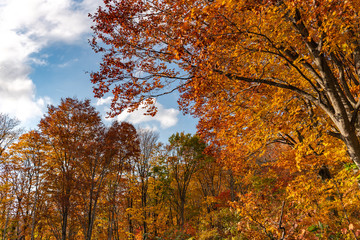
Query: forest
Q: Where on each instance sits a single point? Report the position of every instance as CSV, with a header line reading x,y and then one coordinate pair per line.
x,y
275,85
75,178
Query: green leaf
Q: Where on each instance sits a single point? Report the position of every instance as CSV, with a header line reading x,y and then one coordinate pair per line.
x,y
313,228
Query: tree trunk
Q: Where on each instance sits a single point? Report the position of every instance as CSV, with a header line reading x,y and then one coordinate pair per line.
x,y
353,146
131,227
182,213
90,214
232,185
64,223
144,204
6,223
33,221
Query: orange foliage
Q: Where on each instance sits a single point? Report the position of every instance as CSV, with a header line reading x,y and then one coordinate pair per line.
x,y
275,85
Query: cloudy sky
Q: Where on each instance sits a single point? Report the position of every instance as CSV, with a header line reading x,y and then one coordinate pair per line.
x,y
45,56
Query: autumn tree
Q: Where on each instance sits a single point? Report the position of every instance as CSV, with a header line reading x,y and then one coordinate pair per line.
x,y
27,160
100,186
184,159
158,192
120,147
259,75
83,153
236,55
68,128
113,207
9,132
148,143
113,147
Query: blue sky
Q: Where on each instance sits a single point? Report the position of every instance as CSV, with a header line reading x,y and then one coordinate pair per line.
x,y
45,56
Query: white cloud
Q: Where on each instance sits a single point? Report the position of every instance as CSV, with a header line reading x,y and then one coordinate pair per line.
x,y
166,117
26,27
68,63
103,101
150,128
38,61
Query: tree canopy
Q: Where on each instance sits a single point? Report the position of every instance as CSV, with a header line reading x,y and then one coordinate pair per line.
x,y
290,68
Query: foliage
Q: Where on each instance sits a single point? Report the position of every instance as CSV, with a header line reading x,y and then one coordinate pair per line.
x,y
275,85
247,66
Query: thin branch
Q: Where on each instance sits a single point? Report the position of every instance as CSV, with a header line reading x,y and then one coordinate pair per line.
x,y
170,91
297,90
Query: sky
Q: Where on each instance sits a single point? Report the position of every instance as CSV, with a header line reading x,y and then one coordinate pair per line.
x,y
45,56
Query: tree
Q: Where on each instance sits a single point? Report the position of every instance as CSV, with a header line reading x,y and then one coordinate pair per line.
x,y
27,161
9,131
102,156
236,57
83,154
104,160
148,143
184,159
70,129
